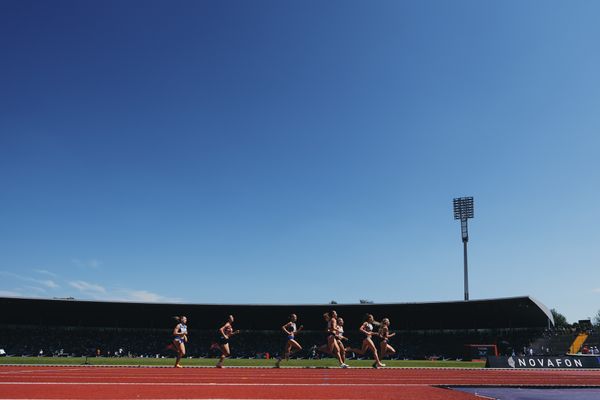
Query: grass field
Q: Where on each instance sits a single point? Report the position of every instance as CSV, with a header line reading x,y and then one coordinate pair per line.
x,y
210,362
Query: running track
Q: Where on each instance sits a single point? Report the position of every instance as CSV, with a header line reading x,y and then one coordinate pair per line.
x,y
91,383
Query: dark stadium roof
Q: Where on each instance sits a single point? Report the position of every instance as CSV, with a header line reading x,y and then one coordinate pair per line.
x,y
515,312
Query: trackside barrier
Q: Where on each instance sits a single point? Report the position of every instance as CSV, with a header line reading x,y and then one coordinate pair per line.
x,y
543,362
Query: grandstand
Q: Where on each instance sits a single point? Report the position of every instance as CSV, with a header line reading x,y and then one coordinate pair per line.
x,y
424,330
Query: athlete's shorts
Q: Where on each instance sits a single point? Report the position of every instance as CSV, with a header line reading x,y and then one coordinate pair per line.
x,y
376,340
222,340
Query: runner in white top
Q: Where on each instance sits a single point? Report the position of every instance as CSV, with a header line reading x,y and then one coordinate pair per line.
x,y
367,344
340,338
332,347
180,338
332,341
291,345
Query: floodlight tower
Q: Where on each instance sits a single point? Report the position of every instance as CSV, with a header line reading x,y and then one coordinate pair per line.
x,y
463,210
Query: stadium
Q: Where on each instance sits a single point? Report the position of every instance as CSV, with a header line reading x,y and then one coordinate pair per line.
x,y
261,200
441,348
424,330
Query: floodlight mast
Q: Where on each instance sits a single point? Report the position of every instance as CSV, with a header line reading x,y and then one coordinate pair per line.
x,y
463,210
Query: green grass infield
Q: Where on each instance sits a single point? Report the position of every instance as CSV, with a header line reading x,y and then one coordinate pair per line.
x,y
233,362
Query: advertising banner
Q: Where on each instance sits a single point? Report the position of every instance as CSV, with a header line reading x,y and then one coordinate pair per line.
x,y
544,362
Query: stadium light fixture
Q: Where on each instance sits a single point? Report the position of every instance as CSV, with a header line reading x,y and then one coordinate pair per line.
x,y
463,210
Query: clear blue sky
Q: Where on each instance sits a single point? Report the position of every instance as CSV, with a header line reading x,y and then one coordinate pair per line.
x,y
300,151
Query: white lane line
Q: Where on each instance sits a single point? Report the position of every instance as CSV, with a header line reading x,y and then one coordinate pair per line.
x,y
244,381
224,378
213,384
209,384
31,371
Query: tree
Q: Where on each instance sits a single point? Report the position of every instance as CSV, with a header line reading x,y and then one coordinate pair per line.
x,y
365,301
333,302
560,321
597,320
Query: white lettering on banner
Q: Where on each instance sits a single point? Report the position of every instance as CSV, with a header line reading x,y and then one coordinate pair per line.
x,y
568,363
543,362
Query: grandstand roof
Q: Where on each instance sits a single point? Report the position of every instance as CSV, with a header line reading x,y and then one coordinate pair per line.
x,y
515,312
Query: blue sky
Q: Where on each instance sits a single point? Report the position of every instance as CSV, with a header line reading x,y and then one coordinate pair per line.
x,y
300,151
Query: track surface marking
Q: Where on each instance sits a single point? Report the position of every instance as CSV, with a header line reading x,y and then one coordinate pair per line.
x,y
90,383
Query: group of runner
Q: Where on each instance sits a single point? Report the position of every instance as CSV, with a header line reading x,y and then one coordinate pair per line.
x,y
376,339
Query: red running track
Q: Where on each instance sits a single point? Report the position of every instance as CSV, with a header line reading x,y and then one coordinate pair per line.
x,y
91,383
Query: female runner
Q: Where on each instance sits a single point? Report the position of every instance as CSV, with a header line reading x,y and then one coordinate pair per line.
x,y
385,335
367,329
325,348
291,346
225,332
180,338
332,347
340,338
